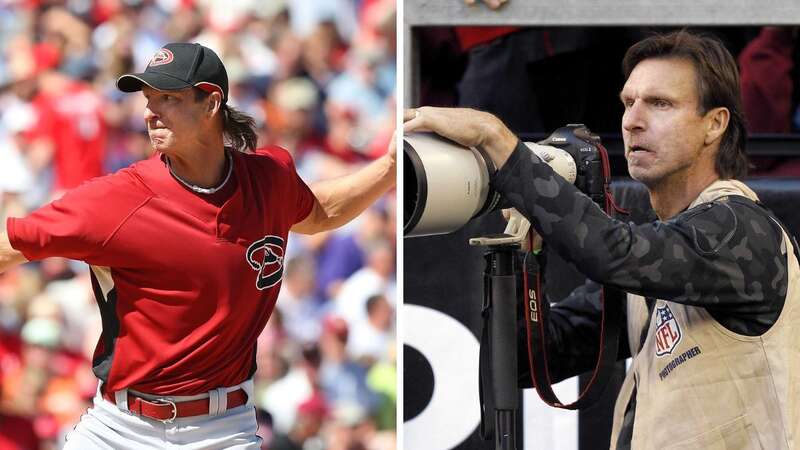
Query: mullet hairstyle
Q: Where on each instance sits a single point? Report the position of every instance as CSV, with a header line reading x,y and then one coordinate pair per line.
x,y
717,86
238,129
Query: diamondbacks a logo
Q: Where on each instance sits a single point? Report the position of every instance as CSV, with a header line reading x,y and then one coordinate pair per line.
x,y
266,256
163,56
668,332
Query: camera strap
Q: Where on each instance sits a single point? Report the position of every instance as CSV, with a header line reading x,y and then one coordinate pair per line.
x,y
536,310
609,205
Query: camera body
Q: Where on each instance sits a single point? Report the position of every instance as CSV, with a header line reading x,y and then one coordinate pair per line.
x,y
445,185
587,150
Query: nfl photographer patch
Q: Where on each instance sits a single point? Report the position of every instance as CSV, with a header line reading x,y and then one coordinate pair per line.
x,y
668,332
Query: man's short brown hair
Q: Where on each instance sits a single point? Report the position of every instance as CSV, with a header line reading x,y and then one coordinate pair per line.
x,y
717,86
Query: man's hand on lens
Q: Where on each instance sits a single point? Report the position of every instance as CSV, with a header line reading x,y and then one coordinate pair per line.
x,y
492,4
468,127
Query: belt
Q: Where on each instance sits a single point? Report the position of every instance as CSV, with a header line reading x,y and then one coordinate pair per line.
x,y
167,410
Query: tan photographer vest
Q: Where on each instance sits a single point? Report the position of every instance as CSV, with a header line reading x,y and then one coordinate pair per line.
x,y
701,386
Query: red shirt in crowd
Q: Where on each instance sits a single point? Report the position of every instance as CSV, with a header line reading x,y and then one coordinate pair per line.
x,y
766,66
471,37
185,282
72,121
17,433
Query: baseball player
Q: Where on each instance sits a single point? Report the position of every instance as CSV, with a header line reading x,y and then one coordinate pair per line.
x,y
186,251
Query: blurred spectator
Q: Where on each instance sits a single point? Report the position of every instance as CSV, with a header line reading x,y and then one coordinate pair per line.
x,y
264,420
343,381
300,310
382,379
292,113
341,254
375,278
306,15
284,396
310,418
318,76
766,66
70,130
370,339
17,433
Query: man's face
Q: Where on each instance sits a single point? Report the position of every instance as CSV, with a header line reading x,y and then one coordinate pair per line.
x,y
662,127
173,118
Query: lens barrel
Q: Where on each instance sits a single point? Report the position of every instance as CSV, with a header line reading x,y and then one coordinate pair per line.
x,y
444,185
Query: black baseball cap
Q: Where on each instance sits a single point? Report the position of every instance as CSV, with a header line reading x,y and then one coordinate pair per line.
x,y
179,66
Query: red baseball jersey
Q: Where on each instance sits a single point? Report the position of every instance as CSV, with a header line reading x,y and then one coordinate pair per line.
x,y
185,282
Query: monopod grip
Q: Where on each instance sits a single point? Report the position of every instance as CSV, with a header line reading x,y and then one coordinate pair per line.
x,y
504,348
504,342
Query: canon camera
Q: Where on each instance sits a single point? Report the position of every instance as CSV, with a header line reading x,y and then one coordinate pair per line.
x,y
445,185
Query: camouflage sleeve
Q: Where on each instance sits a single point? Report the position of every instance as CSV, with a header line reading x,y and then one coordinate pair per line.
x,y
573,336
723,255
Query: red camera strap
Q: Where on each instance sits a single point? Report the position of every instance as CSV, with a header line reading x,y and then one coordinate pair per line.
x,y
535,309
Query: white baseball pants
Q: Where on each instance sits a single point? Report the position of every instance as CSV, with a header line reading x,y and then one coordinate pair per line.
x,y
108,426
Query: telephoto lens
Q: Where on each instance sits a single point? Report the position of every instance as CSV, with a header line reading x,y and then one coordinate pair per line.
x,y
445,185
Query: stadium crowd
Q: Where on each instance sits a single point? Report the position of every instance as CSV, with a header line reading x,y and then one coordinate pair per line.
x,y
319,78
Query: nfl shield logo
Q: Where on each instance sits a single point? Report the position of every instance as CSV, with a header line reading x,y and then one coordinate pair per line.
x,y
668,332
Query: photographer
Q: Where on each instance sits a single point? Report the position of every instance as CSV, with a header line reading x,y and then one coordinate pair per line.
x,y
712,320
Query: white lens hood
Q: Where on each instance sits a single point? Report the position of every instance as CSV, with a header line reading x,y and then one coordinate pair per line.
x,y
445,184
452,184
